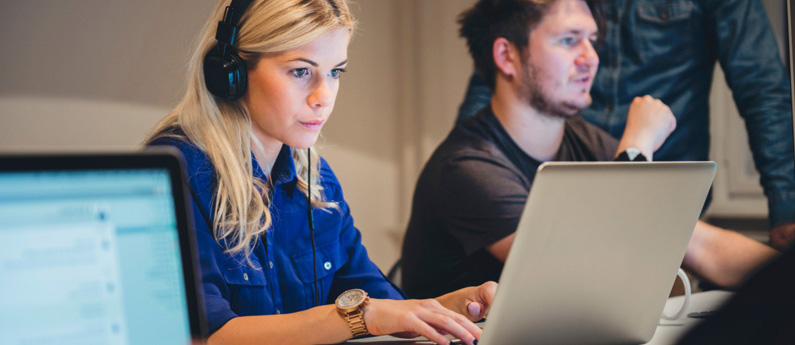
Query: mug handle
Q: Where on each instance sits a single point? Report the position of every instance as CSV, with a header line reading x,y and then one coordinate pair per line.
x,y
682,275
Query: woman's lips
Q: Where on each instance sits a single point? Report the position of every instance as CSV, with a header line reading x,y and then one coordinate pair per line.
x,y
312,125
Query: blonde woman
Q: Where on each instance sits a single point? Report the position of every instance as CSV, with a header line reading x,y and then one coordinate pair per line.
x,y
261,85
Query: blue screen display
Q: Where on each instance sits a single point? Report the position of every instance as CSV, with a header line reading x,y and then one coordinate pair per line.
x,y
90,257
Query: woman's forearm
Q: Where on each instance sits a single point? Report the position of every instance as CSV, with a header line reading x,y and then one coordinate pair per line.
x,y
319,325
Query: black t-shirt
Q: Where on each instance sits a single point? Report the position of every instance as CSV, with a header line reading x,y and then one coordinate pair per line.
x,y
471,194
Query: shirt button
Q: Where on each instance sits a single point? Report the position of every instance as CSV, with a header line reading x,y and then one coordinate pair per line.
x,y
610,107
270,264
278,312
245,276
327,265
614,63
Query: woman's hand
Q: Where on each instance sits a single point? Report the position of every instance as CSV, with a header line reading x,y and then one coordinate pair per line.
x,y
428,318
649,122
451,314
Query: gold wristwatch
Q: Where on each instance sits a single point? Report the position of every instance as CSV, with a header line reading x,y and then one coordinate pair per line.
x,y
349,305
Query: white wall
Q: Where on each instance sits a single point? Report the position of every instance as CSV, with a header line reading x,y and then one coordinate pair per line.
x,y
94,75
91,74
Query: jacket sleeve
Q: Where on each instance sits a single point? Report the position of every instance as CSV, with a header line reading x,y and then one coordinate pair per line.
x,y
749,55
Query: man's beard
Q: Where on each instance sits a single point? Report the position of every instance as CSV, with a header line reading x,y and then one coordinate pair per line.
x,y
539,98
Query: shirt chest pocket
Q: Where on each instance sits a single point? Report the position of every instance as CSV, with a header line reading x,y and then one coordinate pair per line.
x,y
664,31
247,287
330,258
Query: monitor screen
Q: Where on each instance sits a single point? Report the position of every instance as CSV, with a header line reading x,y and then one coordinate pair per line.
x,y
90,257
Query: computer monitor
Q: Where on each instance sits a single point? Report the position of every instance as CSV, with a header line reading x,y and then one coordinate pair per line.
x,y
96,250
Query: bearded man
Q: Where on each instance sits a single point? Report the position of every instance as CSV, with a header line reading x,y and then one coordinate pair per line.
x,y
539,59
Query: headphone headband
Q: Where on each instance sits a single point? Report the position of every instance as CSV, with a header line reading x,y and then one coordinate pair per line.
x,y
224,71
227,27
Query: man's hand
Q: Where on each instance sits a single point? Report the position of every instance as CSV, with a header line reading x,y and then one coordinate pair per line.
x,y
782,236
477,300
649,123
471,302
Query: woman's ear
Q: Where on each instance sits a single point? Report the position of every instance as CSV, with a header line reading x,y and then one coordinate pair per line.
x,y
506,57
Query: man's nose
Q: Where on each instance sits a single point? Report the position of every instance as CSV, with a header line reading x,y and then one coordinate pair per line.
x,y
588,56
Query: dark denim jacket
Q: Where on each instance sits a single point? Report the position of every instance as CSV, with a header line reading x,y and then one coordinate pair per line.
x,y
668,49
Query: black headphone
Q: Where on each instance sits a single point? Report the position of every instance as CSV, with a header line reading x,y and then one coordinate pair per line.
x,y
224,71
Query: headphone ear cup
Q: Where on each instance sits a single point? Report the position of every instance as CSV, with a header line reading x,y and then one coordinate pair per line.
x,y
225,76
241,76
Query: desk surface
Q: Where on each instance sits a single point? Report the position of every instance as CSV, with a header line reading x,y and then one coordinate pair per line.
x,y
668,332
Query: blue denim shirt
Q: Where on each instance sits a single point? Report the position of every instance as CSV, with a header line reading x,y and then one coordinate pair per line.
x,y
668,49
282,279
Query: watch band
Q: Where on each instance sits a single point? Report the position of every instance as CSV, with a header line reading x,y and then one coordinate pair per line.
x,y
355,320
631,155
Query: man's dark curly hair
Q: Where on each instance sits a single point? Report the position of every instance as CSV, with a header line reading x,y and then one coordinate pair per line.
x,y
488,20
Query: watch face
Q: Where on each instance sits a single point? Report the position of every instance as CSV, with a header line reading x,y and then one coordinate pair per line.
x,y
351,298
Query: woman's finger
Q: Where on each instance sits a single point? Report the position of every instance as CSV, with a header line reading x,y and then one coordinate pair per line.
x,y
468,325
461,320
424,329
451,325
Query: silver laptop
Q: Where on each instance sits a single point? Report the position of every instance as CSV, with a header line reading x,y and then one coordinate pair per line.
x,y
596,252
97,249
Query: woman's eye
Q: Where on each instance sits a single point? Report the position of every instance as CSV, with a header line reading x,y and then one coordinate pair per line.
x,y
568,41
300,72
336,72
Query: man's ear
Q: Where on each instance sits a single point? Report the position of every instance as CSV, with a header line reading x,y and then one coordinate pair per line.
x,y
506,57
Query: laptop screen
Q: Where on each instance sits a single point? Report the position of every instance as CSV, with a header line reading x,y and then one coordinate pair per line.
x,y
91,257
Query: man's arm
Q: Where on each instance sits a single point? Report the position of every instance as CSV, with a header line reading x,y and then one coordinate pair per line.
x,y
724,257
649,123
749,55
501,248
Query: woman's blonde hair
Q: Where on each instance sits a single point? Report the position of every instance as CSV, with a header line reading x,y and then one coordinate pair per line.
x,y
223,129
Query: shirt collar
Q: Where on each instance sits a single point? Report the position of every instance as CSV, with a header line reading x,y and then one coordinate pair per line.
x,y
283,171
